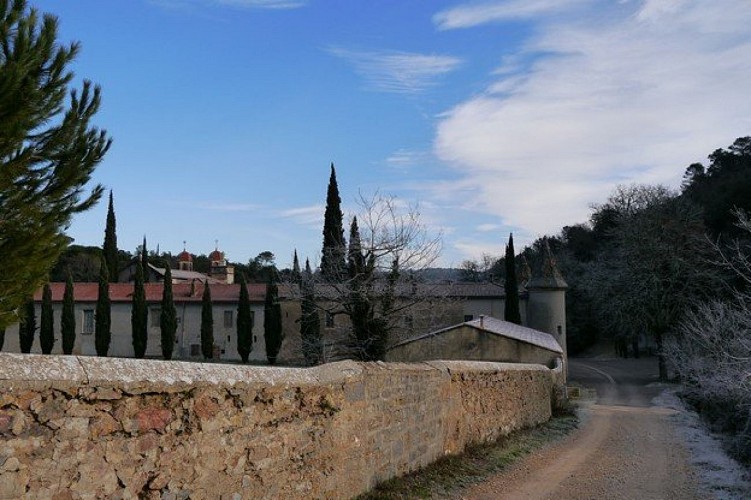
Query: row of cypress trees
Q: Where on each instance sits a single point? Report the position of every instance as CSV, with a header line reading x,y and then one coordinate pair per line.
x,y
27,326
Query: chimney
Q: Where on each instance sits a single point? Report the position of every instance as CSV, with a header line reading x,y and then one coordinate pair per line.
x,y
482,321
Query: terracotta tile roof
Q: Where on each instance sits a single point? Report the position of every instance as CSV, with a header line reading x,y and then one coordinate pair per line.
x,y
123,292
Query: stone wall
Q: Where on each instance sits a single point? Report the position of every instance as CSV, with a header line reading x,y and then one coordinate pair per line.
x,y
86,427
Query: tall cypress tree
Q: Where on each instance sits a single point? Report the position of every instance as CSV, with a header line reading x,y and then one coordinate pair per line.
x,y
2,338
68,317
109,248
272,323
310,322
168,318
333,265
511,285
103,318
296,274
27,327
207,324
139,314
46,326
145,261
244,322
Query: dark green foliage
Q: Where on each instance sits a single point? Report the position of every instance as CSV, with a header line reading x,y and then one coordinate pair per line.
x,y
310,321
333,254
721,187
145,261
103,318
68,318
139,314
369,330
46,322
207,324
296,273
80,261
27,327
511,285
47,151
262,268
272,323
244,322
168,317
109,248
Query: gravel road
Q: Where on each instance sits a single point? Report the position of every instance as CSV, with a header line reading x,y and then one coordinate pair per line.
x,y
626,448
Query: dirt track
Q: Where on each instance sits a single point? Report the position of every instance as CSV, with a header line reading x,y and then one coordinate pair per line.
x,y
625,449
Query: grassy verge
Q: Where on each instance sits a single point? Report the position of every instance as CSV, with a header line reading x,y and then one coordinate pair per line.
x,y
452,473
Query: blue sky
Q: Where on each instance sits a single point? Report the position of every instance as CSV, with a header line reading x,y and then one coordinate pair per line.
x,y
494,116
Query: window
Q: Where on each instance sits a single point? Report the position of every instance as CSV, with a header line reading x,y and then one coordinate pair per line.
x,y
329,320
88,321
229,319
156,317
468,317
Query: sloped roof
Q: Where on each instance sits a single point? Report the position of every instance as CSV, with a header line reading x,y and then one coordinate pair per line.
x,y
501,328
123,292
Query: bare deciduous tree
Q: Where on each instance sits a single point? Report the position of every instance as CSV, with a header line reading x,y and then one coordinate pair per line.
x,y
382,297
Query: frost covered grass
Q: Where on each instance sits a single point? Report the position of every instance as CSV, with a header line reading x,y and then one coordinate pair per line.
x,y
720,475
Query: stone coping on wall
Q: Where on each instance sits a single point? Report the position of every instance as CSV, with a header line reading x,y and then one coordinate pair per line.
x,y
59,371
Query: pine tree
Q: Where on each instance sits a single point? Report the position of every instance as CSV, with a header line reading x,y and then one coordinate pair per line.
x,y
310,322
109,248
145,261
139,314
333,253
511,285
207,324
103,318
272,323
244,322
68,318
168,318
48,151
27,327
46,326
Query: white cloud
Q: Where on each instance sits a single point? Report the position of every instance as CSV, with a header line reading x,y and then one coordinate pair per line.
x,y
398,72
310,216
486,228
264,4
229,207
474,14
405,158
244,4
637,98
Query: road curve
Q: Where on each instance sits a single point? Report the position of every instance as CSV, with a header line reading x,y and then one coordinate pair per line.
x,y
626,448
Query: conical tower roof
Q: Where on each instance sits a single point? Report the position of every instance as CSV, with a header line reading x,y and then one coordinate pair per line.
x,y
549,277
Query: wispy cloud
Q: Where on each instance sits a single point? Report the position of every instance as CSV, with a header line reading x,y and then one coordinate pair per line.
x,y
474,14
406,158
264,4
188,5
228,207
638,97
398,72
311,216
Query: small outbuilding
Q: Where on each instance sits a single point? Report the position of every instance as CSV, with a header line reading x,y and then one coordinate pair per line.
x,y
482,339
